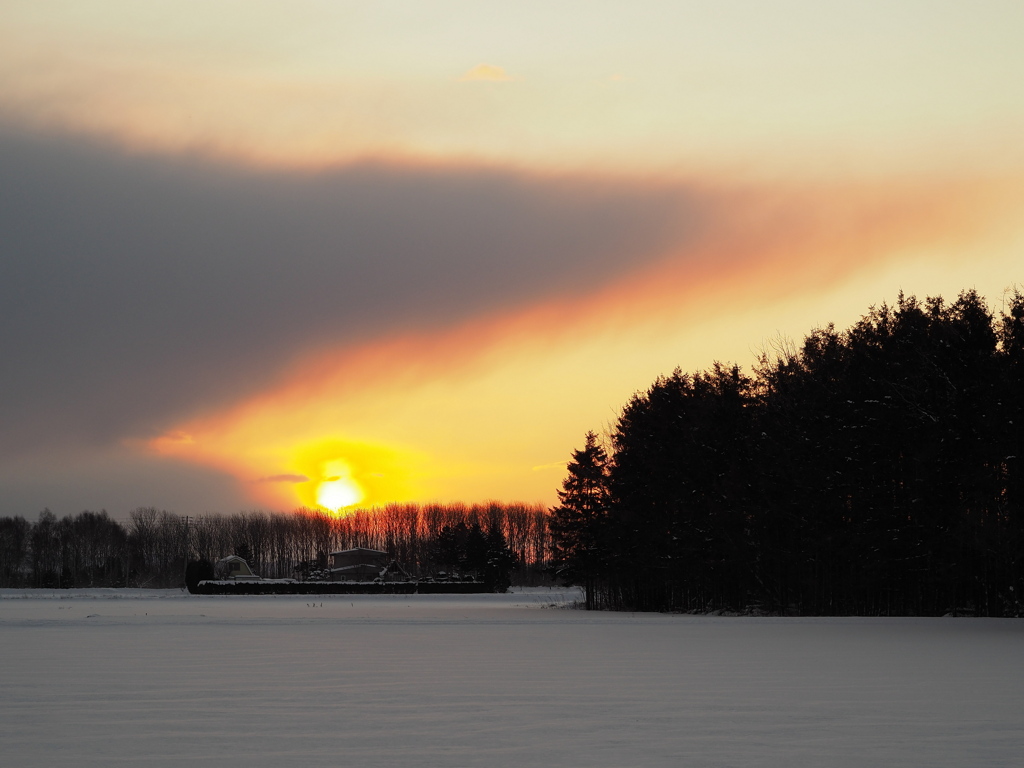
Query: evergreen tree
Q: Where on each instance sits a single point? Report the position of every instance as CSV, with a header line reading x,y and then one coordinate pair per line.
x,y
449,549
474,552
876,470
501,560
196,571
577,524
679,485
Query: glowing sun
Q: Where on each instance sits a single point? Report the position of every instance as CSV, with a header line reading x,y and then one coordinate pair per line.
x,y
336,494
338,490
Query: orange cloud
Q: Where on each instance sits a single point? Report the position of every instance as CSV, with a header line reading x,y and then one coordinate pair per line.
x,y
475,411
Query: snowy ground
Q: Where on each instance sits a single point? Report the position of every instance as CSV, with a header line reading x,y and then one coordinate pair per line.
x,y
161,678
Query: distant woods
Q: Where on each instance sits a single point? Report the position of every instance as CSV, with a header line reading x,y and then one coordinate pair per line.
x,y
877,470
873,471
150,549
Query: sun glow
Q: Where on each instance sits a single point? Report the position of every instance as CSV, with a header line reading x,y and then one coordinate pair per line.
x,y
338,493
491,407
338,489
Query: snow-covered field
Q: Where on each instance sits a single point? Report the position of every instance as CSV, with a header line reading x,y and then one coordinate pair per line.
x,y
161,678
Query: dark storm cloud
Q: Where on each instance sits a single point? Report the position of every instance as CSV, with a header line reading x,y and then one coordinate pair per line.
x,y
136,289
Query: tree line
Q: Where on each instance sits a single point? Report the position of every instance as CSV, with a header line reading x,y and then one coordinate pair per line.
x,y
152,547
877,470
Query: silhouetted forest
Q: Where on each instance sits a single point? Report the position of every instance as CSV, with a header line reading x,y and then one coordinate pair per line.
x,y
876,470
152,547
871,471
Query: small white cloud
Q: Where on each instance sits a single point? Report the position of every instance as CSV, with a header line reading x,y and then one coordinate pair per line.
x,y
487,72
553,465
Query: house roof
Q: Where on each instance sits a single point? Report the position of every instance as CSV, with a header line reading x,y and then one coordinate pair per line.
x,y
359,550
358,566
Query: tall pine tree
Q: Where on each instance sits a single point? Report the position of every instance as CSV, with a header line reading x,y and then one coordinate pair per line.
x,y
577,524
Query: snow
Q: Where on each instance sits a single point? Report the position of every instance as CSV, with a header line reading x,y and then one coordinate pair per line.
x,y
162,678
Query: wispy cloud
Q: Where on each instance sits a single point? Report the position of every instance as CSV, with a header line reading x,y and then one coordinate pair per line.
x,y
553,465
284,479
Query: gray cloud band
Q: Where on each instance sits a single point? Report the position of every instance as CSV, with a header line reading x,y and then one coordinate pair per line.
x,y
134,289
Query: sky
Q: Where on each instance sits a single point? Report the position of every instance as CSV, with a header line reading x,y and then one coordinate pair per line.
x,y
261,255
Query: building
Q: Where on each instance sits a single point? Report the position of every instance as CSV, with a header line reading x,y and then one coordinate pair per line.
x,y
364,564
234,568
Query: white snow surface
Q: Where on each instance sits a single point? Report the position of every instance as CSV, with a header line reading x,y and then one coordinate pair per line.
x,y
162,678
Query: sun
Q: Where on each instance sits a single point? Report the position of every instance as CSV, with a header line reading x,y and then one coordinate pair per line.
x,y
338,489
341,475
338,494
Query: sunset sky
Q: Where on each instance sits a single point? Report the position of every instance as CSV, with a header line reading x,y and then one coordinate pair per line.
x,y
260,255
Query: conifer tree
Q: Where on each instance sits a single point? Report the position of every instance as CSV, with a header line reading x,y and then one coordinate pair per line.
x,y
877,470
577,524
474,551
500,561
